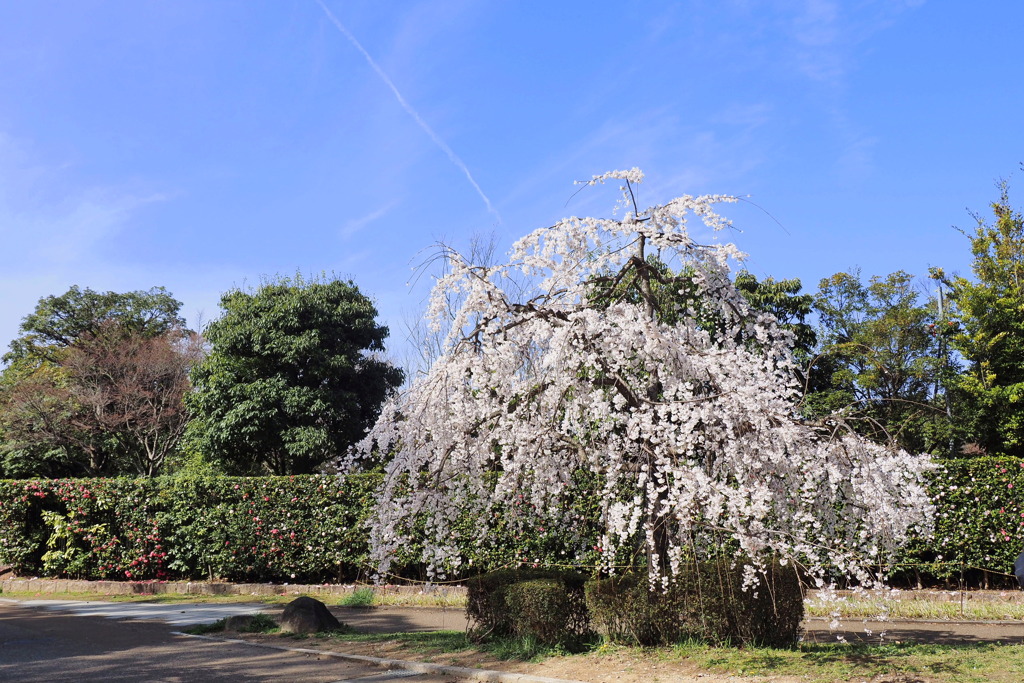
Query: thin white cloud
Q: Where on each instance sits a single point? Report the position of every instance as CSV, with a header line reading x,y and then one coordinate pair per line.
x,y
441,144
85,221
49,219
677,158
54,231
821,54
826,37
353,226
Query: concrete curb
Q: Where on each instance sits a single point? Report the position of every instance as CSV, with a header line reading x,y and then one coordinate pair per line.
x,y
419,667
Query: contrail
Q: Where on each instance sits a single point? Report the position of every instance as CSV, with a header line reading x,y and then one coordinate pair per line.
x,y
409,110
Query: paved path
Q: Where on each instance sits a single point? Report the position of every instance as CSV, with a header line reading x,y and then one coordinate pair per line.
x,y
180,615
375,620
41,643
938,632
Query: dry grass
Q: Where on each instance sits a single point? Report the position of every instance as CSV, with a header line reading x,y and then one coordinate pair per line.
x,y
907,605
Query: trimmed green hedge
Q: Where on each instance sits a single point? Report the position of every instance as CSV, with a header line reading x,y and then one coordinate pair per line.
x,y
979,521
546,605
312,528
299,529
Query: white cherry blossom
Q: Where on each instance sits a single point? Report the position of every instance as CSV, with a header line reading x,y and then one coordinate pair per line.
x,y
691,424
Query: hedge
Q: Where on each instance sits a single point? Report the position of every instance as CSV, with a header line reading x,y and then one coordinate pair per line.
x,y
979,522
302,529
546,605
312,528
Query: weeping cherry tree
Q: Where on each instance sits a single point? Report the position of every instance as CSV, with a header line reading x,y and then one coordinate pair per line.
x,y
663,382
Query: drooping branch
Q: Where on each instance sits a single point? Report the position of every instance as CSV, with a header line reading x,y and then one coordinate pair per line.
x,y
666,387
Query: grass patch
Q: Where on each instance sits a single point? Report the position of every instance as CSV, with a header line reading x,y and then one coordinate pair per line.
x,y
454,642
206,629
814,663
839,662
914,608
255,623
261,623
424,642
422,599
361,597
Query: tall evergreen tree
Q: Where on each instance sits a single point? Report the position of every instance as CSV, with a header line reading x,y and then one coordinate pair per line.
x,y
291,379
989,334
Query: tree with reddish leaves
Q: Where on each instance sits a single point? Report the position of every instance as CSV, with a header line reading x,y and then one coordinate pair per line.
x,y
105,395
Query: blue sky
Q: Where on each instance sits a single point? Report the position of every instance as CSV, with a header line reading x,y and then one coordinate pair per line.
x,y
200,145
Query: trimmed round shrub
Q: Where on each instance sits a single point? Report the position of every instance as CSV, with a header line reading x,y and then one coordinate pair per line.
x,y
548,606
705,601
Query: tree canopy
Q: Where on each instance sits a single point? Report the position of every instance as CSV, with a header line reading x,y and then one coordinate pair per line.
x,y
94,385
685,414
64,321
989,332
292,378
881,363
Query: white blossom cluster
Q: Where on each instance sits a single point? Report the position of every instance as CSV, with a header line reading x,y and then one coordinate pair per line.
x,y
692,425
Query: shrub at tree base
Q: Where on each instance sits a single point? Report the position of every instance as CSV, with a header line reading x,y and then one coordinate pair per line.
x,y
705,601
550,611
548,606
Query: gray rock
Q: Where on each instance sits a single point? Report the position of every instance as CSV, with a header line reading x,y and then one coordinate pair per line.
x,y
307,615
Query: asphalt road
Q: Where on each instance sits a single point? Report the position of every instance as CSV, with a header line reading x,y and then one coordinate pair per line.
x,y
40,644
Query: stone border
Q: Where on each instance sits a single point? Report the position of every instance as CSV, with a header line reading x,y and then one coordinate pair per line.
x,y
35,585
419,667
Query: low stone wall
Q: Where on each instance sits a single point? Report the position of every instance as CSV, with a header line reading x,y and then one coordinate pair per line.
x,y
56,586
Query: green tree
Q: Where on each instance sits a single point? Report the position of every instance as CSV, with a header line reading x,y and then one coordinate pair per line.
x,y
989,334
291,379
881,360
65,321
782,299
672,296
94,385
